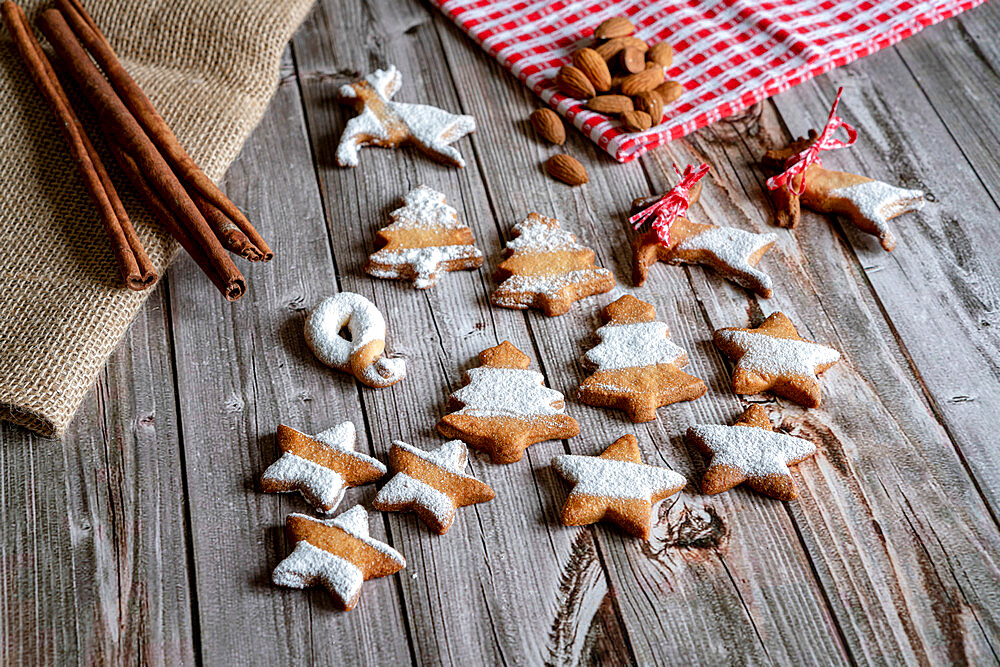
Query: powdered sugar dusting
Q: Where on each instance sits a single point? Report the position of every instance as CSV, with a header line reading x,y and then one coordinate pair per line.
x,y
322,486
733,247
769,355
308,565
426,261
507,392
633,345
878,201
539,234
518,287
756,451
608,478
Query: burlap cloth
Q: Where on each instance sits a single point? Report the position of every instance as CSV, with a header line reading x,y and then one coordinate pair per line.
x,y
210,67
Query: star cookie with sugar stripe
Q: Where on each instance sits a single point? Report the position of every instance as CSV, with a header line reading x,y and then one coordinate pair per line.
x,y
431,483
615,486
773,356
337,554
750,452
320,467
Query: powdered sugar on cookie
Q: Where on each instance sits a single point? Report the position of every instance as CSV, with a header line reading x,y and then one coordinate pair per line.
x,y
778,356
879,202
605,478
631,345
755,451
733,249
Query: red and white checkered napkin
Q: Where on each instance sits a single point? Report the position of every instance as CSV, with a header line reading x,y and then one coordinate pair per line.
x,y
729,54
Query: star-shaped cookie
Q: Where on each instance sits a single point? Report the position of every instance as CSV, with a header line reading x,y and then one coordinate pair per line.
x,y
638,368
773,356
750,451
731,252
432,484
382,122
337,554
320,467
616,486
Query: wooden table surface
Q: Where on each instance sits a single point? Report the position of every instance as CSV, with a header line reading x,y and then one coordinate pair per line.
x,y
141,536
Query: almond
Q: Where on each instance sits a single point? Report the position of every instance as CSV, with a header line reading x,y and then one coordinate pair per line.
x,y
594,68
610,104
567,169
643,81
616,81
548,125
651,103
571,81
661,54
669,91
637,121
612,47
619,26
632,60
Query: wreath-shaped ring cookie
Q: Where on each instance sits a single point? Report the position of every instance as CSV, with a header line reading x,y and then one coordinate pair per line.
x,y
362,355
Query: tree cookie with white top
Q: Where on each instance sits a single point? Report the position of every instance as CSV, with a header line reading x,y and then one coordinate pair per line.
x,y
750,452
504,408
638,368
615,486
433,484
424,238
774,357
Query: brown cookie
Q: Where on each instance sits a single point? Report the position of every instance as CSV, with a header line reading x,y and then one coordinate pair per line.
x,y
616,486
336,553
750,451
505,408
547,269
432,484
637,367
773,356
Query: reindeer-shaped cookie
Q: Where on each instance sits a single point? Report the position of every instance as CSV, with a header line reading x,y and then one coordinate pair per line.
x,y
868,203
382,122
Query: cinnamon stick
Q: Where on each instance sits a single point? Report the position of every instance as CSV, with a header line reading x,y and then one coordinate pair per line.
x,y
157,129
134,265
123,129
231,236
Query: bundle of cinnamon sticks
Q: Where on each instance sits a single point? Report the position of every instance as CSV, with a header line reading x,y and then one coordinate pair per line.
x,y
177,193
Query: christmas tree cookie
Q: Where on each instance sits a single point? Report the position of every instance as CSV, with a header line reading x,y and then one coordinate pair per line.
x,y
505,408
424,238
637,367
547,269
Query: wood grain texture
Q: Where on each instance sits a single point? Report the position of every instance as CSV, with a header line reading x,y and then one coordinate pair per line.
x,y
142,537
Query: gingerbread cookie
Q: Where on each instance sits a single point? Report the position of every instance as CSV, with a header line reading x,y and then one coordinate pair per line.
x,y
360,356
547,269
616,486
732,253
505,408
320,467
750,451
337,554
382,122
773,356
423,239
800,179
638,368
432,484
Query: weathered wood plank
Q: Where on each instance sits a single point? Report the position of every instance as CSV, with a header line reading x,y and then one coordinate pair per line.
x,y
242,369
502,562
94,565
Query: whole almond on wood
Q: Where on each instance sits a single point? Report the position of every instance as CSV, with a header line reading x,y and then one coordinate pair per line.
x,y
610,104
548,125
661,54
571,81
613,47
594,68
619,26
651,103
637,121
669,91
567,169
643,81
631,60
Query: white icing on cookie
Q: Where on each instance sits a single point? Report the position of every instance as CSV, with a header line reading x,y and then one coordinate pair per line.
x,y
507,392
402,488
769,355
878,202
520,290
756,451
633,345
607,478
733,247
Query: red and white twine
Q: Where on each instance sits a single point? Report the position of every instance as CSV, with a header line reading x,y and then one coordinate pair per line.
x,y
672,204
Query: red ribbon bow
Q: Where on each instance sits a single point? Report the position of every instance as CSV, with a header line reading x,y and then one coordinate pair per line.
x,y
799,162
672,204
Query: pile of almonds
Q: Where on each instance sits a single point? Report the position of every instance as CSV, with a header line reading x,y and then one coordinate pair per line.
x,y
620,76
